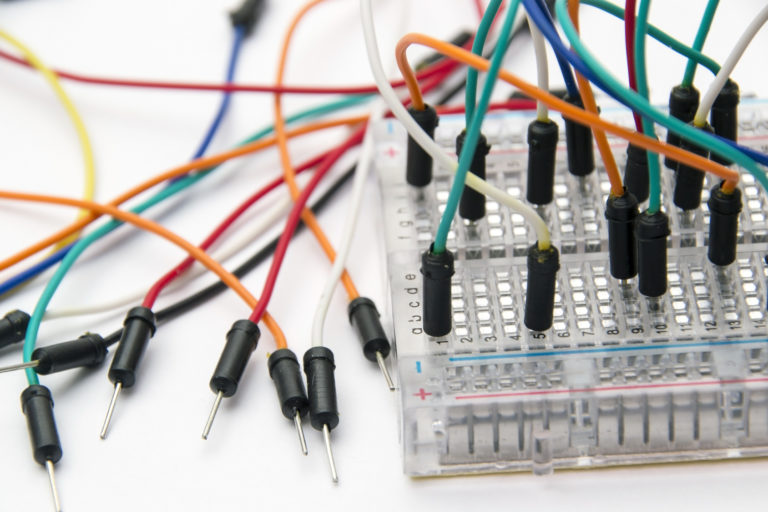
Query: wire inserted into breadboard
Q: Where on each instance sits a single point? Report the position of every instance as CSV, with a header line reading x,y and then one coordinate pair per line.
x,y
619,378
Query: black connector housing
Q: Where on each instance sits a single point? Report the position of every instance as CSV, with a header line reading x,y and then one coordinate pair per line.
x,y
242,340
652,231
724,212
472,202
364,317
138,328
542,156
621,212
689,181
248,14
87,350
579,144
724,116
321,388
286,374
683,102
418,166
13,327
37,406
437,270
636,173
540,292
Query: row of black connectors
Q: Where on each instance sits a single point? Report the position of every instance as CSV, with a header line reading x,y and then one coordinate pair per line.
x,y
637,241
318,400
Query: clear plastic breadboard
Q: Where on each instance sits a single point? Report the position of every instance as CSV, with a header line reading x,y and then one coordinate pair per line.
x,y
619,378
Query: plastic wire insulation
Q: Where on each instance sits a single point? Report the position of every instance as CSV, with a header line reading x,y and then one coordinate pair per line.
x,y
81,245
430,71
293,220
200,163
700,119
364,163
698,41
479,8
239,33
245,236
516,104
609,83
362,169
196,299
41,266
654,167
89,166
661,36
565,68
429,145
570,111
239,36
542,67
588,97
470,93
629,42
223,226
455,89
148,225
178,308
234,55
473,133
285,158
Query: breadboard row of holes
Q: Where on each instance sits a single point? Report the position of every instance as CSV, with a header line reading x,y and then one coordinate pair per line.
x,y
591,308
576,217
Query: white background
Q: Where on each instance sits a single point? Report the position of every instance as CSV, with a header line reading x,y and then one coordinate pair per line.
x,y
154,458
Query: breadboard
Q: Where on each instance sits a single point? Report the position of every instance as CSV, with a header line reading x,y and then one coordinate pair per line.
x,y
619,378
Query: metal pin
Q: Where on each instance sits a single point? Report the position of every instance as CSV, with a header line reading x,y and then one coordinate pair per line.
x,y
111,410
20,366
212,415
584,185
300,432
52,480
384,370
329,452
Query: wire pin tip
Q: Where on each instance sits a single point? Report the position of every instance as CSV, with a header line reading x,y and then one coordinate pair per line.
x,y
20,366
300,432
329,452
212,415
52,480
385,370
110,410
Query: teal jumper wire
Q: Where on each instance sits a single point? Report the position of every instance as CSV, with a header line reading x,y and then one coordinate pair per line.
x,y
654,168
51,260
698,41
589,63
486,22
660,36
77,249
473,132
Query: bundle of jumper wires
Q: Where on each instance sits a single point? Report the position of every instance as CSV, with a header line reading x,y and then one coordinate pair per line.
x,y
638,239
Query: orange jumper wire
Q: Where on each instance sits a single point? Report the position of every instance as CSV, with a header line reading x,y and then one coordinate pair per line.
x,y
200,163
285,159
730,176
148,225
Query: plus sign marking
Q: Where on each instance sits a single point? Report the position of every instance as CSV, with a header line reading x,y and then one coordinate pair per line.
x,y
422,394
